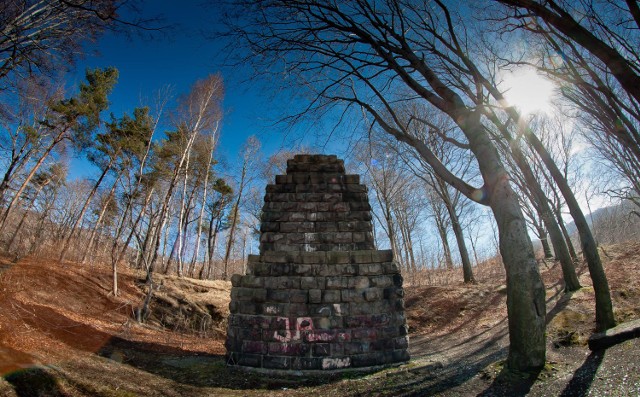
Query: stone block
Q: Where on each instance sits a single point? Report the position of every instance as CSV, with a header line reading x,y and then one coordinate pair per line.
x,y
315,296
298,309
401,342
370,269
276,362
379,256
310,282
359,215
313,257
298,296
302,270
247,307
367,360
373,294
260,269
324,323
400,356
338,257
254,347
339,206
381,281
331,296
337,349
250,281
273,309
353,348
346,270
381,344
279,269
296,217
278,295
359,282
288,349
259,295
332,363
236,280
350,295
359,206
390,268
326,227
249,334
249,360
321,349
365,334
338,282
360,257
341,309
363,308
306,363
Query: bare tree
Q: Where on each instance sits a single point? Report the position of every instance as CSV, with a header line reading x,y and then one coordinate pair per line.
x,y
42,35
71,117
249,153
198,111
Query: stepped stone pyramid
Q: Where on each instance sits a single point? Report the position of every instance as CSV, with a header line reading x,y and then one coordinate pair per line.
x,y
319,297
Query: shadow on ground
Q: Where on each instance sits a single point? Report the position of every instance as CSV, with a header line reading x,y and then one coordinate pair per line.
x,y
199,369
34,382
583,377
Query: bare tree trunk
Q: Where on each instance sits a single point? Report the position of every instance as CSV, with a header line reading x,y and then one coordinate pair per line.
x,y
442,232
181,220
562,253
204,200
26,181
526,306
80,218
546,248
604,309
100,216
467,271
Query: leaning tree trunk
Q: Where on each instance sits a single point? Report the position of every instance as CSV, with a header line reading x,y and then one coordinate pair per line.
x,y
542,235
604,309
24,216
542,205
103,211
442,232
25,182
204,202
565,235
467,272
526,306
79,219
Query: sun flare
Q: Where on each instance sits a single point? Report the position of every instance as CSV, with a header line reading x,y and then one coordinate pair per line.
x,y
528,91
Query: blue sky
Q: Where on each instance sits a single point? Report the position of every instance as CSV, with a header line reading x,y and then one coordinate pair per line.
x,y
179,58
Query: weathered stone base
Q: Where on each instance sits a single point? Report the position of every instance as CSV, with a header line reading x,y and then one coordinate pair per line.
x,y
317,311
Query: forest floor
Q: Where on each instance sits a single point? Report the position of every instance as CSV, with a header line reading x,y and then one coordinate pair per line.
x,y
63,334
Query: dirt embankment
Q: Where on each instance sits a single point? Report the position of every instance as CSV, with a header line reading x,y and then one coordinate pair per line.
x,y
63,334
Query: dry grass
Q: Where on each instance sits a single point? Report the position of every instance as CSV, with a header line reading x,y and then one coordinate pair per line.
x,y
62,333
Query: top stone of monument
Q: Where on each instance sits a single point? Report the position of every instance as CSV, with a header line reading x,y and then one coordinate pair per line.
x,y
316,207
315,163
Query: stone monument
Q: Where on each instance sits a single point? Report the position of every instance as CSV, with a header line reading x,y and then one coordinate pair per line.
x,y
319,297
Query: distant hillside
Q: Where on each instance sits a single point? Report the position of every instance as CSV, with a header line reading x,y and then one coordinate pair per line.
x,y
615,223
